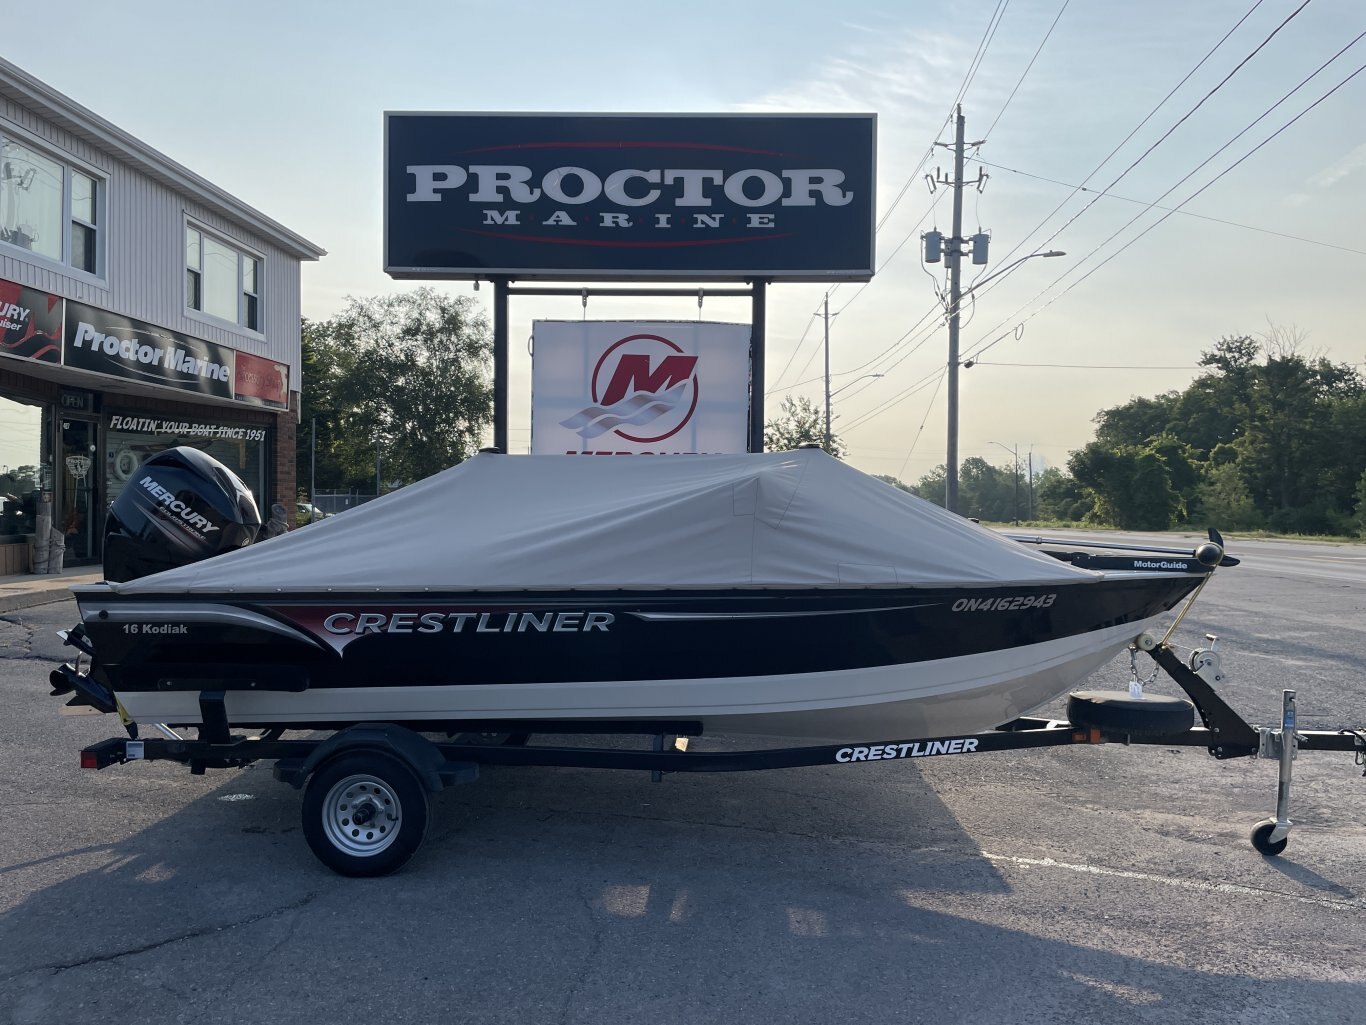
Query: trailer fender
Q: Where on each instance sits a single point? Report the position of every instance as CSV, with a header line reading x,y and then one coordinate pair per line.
x,y
413,749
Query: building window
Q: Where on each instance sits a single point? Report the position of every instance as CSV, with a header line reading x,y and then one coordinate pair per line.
x,y
222,280
48,208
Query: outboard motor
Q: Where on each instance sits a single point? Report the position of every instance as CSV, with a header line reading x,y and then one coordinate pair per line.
x,y
180,506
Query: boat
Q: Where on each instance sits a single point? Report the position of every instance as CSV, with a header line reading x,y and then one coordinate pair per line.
x,y
778,594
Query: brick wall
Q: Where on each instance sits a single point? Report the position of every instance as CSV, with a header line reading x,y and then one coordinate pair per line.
x,y
286,467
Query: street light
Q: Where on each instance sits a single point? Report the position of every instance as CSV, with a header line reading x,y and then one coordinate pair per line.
x,y
830,395
1015,473
954,253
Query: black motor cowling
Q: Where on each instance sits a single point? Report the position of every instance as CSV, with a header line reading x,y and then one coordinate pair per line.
x,y
180,506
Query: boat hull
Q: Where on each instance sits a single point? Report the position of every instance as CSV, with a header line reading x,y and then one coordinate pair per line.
x,y
845,664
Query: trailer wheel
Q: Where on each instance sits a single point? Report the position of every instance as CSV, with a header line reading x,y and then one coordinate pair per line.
x,y
365,813
1153,715
1261,838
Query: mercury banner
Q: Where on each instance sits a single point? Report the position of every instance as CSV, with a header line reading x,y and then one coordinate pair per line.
x,y
629,388
30,323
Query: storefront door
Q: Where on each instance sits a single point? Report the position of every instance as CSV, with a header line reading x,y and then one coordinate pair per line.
x,y
80,512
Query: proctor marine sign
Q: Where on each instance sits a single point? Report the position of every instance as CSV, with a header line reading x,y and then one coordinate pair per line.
x,y
588,196
109,344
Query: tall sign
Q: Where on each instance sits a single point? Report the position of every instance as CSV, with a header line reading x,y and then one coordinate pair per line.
x,y
624,388
615,196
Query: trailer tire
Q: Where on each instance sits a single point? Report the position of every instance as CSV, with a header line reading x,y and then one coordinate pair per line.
x,y
1114,711
365,813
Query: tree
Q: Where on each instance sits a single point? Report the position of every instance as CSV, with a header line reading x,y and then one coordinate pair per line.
x,y
1060,497
932,487
802,422
1131,486
900,485
403,377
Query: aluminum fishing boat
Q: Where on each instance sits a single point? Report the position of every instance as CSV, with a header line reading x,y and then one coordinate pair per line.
x,y
782,594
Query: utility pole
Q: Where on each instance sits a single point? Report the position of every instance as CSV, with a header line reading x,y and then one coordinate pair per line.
x,y
951,250
955,258
313,465
1031,482
827,372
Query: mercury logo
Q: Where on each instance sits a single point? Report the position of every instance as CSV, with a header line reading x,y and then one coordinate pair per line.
x,y
168,500
641,381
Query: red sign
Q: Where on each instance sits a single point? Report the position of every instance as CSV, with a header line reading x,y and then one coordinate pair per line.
x,y
262,381
30,323
661,393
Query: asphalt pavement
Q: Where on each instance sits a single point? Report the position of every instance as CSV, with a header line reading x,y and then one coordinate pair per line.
x,y
1068,885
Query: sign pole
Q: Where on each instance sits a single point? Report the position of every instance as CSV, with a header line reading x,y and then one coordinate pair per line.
x,y
500,364
756,370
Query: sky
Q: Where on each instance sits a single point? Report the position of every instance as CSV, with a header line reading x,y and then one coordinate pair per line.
x,y
282,105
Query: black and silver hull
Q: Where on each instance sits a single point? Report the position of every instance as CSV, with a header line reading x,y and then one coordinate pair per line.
x,y
839,663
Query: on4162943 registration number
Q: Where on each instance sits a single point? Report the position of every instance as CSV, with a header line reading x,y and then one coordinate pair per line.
x,y
1007,603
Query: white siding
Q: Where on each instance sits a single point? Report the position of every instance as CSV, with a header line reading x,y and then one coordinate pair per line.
x,y
144,236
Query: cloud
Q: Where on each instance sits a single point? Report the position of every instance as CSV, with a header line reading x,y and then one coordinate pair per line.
x,y
1334,173
1330,176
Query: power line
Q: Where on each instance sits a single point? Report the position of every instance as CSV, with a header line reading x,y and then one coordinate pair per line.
x,y
920,430
1180,121
1096,198
1198,192
997,16
1077,366
1025,73
896,399
800,341
1184,213
1137,128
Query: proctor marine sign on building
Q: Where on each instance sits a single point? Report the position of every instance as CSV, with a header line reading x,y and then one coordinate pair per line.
x,y
121,347
622,388
595,196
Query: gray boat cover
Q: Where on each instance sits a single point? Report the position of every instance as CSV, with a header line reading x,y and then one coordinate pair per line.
x,y
505,522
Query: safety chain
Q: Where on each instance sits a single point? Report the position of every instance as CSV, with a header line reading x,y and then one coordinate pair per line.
x,y
1360,756
1133,669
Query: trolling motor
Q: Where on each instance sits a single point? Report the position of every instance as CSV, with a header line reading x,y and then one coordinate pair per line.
x,y
181,506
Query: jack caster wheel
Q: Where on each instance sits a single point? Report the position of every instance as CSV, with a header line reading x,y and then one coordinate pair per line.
x,y
364,814
1261,838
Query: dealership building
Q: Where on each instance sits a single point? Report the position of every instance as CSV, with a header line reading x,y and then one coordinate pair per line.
x,y
141,307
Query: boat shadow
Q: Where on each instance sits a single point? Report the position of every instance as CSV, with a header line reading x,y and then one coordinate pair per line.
x,y
584,896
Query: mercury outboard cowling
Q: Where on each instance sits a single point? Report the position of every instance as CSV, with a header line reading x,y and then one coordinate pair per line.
x,y
180,506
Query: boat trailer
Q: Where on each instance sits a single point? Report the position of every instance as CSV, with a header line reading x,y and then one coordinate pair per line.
x,y
367,787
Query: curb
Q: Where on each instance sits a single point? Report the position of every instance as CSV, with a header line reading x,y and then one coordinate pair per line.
x,y
29,599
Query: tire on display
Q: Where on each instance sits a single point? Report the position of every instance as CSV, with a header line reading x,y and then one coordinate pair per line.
x,y
1153,715
364,813
1261,838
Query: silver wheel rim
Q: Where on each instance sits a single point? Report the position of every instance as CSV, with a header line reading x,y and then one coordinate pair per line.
x,y
362,815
